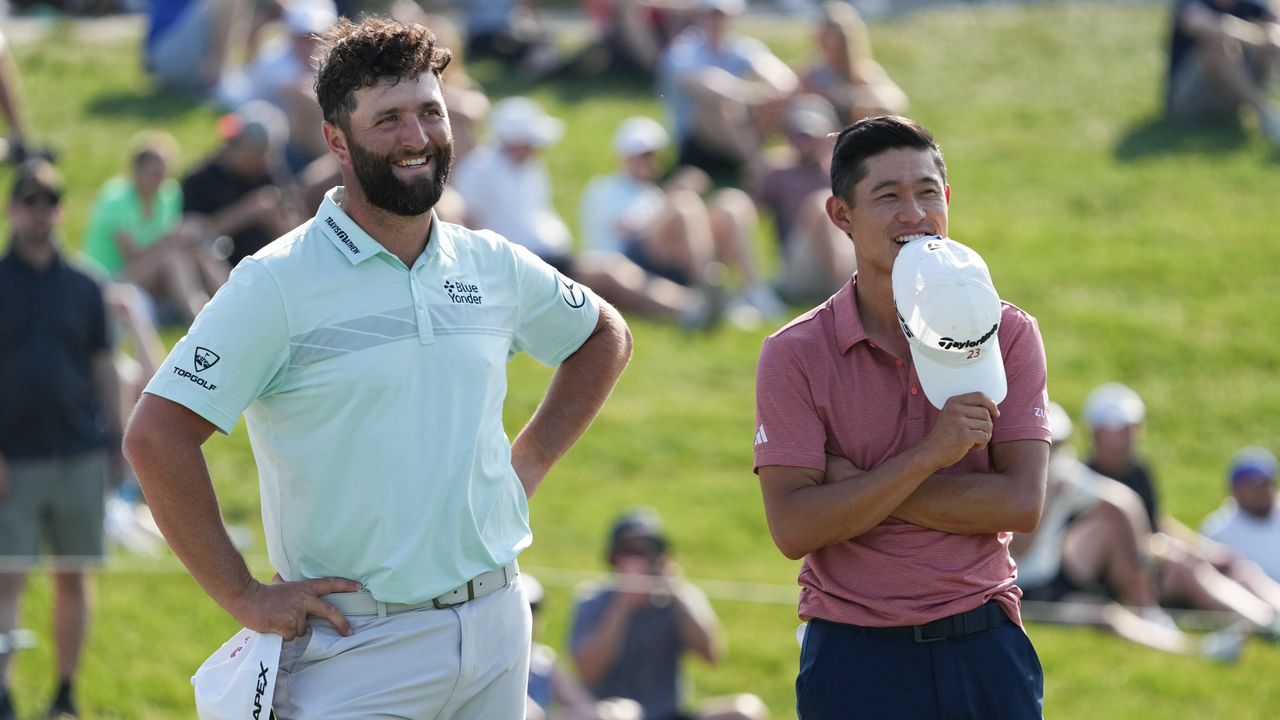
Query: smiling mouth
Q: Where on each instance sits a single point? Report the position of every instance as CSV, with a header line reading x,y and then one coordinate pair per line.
x,y
912,237
413,162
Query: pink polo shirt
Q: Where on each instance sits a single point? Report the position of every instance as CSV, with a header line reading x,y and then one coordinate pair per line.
x,y
823,387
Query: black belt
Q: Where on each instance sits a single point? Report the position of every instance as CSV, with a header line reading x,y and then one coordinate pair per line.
x,y
983,617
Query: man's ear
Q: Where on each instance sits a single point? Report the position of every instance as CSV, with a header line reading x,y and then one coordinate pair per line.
x,y
336,139
838,210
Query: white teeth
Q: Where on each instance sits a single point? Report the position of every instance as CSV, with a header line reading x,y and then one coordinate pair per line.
x,y
904,239
415,162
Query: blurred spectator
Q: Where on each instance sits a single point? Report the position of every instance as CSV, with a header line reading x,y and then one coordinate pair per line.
x,y
243,196
505,187
668,231
1221,56
845,73
134,232
633,34
793,190
1194,571
555,694
282,73
188,41
1248,522
1092,543
11,104
511,31
722,91
628,637
59,431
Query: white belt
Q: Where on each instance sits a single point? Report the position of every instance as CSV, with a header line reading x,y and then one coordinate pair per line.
x,y
363,602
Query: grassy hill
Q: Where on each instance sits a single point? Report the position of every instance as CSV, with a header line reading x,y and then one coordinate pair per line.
x,y
1146,254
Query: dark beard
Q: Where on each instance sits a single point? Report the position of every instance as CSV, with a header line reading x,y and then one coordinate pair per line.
x,y
384,190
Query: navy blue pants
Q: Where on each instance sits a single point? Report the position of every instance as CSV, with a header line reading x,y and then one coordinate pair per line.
x,y
851,672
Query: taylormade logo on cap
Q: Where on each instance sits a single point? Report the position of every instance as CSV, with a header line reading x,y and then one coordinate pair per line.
x,y
950,313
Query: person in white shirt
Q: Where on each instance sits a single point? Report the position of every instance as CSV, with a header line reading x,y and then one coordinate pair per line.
x,y
1249,521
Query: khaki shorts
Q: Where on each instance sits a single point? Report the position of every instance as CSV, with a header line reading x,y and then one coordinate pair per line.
x,y
467,662
58,502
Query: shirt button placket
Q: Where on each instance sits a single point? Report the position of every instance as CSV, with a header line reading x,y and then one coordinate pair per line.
x,y
426,333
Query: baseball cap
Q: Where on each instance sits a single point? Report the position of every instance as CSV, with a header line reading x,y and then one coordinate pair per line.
x,y
520,120
1113,405
640,524
950,313
238,681
811,115
639,135
310,17
37,177
1059,423
1252,462
728,7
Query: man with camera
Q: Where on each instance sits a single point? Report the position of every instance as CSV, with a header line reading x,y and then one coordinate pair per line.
x,y
628,637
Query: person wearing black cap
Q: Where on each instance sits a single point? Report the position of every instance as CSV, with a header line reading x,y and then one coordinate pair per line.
x,y
627,638
59,432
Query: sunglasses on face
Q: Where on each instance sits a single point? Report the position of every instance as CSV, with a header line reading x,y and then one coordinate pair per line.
x,y
41,200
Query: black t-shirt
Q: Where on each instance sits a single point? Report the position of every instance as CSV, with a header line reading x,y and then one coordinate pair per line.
x,y
1180,43
1138,479
52,324
210,188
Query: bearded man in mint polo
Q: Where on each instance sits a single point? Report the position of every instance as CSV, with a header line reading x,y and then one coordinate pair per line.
x,y
367,350
901,438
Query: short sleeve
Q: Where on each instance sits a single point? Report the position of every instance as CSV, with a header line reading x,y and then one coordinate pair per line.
x,y
234,350
788,429
555,315
587,614
1023,413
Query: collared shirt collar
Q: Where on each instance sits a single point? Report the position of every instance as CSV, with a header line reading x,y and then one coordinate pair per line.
x,y
356,244
844,305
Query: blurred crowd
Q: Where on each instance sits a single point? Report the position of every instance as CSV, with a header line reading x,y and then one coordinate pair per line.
x,y
750,137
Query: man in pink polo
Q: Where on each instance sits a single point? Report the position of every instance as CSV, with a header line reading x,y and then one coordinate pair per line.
x,y
901,438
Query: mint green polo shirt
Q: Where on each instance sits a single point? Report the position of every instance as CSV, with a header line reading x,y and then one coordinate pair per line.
x,y
373,396
118,207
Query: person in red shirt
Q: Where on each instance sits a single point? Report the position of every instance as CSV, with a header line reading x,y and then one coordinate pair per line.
x,y
896,470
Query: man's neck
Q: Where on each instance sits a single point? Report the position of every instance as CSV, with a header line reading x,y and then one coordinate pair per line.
x,y
879,318
403,236
38,254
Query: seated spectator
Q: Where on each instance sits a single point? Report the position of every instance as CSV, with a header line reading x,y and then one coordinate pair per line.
x,y
134,233
816,257
629,636
633,34
243,192
845,73
511,31
282,73
669,232
1092,543
1221,56
188,41
1194,571
1249,522
12,106
555,694
722,91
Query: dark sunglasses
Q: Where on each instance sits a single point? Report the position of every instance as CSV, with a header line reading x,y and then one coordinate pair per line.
x,y
45,200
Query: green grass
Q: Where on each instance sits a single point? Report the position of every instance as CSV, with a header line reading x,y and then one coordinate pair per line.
x,y
1147,255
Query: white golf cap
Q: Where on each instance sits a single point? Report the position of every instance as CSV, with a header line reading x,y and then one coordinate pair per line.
x,y
521,121
1114,405
639,135
238,682
950,313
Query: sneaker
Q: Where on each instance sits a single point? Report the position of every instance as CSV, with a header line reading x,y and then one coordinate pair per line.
x,y
62,707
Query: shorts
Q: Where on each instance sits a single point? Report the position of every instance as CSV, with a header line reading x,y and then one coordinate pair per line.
x,y
470,661
993,673
1057,589
58,502
176,58
635,252
725,171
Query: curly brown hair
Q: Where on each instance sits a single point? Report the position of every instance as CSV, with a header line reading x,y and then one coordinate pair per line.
x,y
352,56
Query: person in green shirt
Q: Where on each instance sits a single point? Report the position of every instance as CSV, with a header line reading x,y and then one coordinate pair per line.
x,y
135,232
